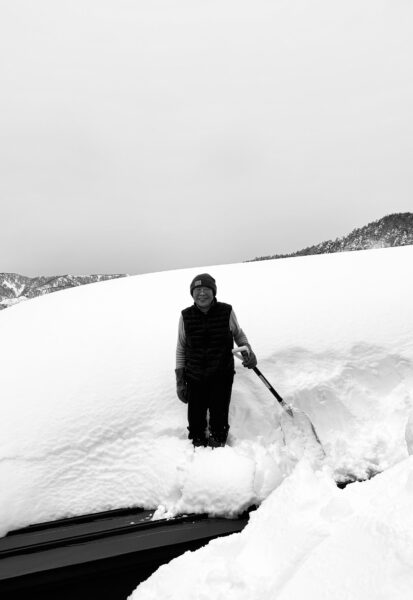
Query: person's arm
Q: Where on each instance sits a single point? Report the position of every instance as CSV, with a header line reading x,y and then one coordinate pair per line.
x,y
238,334
180,345
242,340
181,389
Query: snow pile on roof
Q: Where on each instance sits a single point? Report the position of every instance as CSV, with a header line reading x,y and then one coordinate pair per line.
x,y
90,420
310,540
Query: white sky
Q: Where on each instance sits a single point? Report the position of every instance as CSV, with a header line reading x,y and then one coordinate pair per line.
x,y
150,135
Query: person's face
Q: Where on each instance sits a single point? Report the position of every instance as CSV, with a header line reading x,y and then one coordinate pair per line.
x,y
203,297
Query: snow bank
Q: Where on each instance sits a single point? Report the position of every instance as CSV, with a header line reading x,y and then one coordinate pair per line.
x,y
310,540
89,418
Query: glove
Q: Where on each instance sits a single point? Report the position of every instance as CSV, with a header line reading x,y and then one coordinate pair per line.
x,y
181,385
250,360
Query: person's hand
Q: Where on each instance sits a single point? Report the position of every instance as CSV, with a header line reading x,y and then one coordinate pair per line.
x,y
250,360
181,390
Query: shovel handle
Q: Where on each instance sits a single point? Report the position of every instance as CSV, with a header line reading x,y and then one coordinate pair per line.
x,y
238,353
269,386
274,392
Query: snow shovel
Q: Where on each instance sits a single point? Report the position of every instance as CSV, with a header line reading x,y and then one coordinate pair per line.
x,y
299,417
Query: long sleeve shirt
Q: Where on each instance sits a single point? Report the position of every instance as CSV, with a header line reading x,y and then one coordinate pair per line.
x,y
238,335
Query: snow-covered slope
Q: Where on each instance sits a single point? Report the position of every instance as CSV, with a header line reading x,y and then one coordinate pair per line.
x,y
89,417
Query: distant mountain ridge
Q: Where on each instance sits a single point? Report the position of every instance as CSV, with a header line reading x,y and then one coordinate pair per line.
x,y
393,230
16,288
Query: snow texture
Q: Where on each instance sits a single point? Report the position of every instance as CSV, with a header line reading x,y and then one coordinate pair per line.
x,y
309,540
90,421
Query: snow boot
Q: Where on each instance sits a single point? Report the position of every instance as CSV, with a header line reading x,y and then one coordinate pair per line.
x,y
216,441
198,441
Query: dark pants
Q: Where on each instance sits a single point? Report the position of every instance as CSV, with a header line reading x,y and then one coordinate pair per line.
x,y
211,394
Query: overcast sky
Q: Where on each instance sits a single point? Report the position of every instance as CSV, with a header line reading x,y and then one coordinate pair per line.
x,y
143,135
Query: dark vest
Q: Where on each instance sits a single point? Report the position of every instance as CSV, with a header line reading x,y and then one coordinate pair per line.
x,y
209,341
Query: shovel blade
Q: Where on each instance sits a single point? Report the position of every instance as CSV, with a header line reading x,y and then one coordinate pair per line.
x,y
300,435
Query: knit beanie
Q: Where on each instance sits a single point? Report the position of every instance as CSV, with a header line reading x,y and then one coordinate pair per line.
x,y
204,280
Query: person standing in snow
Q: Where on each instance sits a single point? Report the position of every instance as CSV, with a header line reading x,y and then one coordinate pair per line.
x,y
205,363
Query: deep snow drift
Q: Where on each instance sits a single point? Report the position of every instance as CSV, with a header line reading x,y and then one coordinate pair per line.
x,y
90,421
308,540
